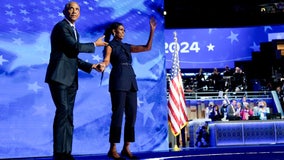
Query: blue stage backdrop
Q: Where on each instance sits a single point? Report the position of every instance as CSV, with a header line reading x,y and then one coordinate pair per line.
x,y
218,47
26,107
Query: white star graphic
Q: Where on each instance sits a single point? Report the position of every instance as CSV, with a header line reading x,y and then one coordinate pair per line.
x,y
25,12
10,13
233,37
18,41
27,19
12,21
146,110
255,47
34,86
9,6
15,31
35,55
2,60
210,47
97,58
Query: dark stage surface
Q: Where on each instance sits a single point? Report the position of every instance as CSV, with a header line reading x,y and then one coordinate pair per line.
x,y
255,152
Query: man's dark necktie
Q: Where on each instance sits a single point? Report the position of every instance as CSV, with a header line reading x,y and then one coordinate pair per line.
x,y
75,33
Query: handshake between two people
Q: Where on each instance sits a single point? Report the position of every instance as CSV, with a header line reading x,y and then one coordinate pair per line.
x,y
100,67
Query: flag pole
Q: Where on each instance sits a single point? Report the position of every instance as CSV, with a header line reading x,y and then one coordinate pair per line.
x,y
176,148
176,63
177,115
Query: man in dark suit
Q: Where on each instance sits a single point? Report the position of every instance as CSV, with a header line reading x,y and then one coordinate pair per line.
x,y
62,77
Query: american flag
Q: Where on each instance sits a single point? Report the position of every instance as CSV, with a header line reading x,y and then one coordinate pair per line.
x,y
176,103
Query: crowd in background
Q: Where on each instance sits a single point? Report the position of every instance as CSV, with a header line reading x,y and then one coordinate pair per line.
x,y
237,110
228,80
231,80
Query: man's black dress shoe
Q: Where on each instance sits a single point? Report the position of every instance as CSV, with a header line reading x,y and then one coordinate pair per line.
x,y
59,156
63,156
69,157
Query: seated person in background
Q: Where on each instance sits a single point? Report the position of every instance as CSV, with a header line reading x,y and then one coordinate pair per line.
x,y
263,110
224,110
234,110
208,109
246,112
215,114
237,115
255,110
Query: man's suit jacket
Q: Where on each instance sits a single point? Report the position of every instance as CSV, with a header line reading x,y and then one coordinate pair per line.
x,y
64,62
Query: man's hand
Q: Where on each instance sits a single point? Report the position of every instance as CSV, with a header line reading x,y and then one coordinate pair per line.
x,y
100,67
100,42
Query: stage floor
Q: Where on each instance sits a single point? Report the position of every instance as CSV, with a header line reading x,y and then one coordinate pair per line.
x,y
255,152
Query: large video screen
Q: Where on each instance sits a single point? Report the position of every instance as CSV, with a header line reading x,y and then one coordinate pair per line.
x,y
218,47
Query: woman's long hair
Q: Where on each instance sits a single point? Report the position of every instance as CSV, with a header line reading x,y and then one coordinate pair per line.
x,y
108,32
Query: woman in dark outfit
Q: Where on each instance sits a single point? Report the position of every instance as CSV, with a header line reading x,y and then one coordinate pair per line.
x,y
122,86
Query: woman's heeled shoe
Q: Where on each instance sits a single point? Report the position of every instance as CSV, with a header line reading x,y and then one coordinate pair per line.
x,y
128,154
114,155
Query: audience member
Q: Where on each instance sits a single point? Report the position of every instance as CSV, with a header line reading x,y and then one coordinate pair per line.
x,y
239,80
238,111
280,95
224,110
232,109
215,115
263,110
246,112
255,110
199,77
227,79
244,100
228,72
208,109
215,80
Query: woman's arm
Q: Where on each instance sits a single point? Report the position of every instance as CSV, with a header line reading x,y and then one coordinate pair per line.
x,y
148,46
106,60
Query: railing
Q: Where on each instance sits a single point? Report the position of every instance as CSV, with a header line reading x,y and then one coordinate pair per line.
x,y
231,95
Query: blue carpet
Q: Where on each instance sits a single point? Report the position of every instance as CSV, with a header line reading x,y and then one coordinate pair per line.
x,y
256,152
